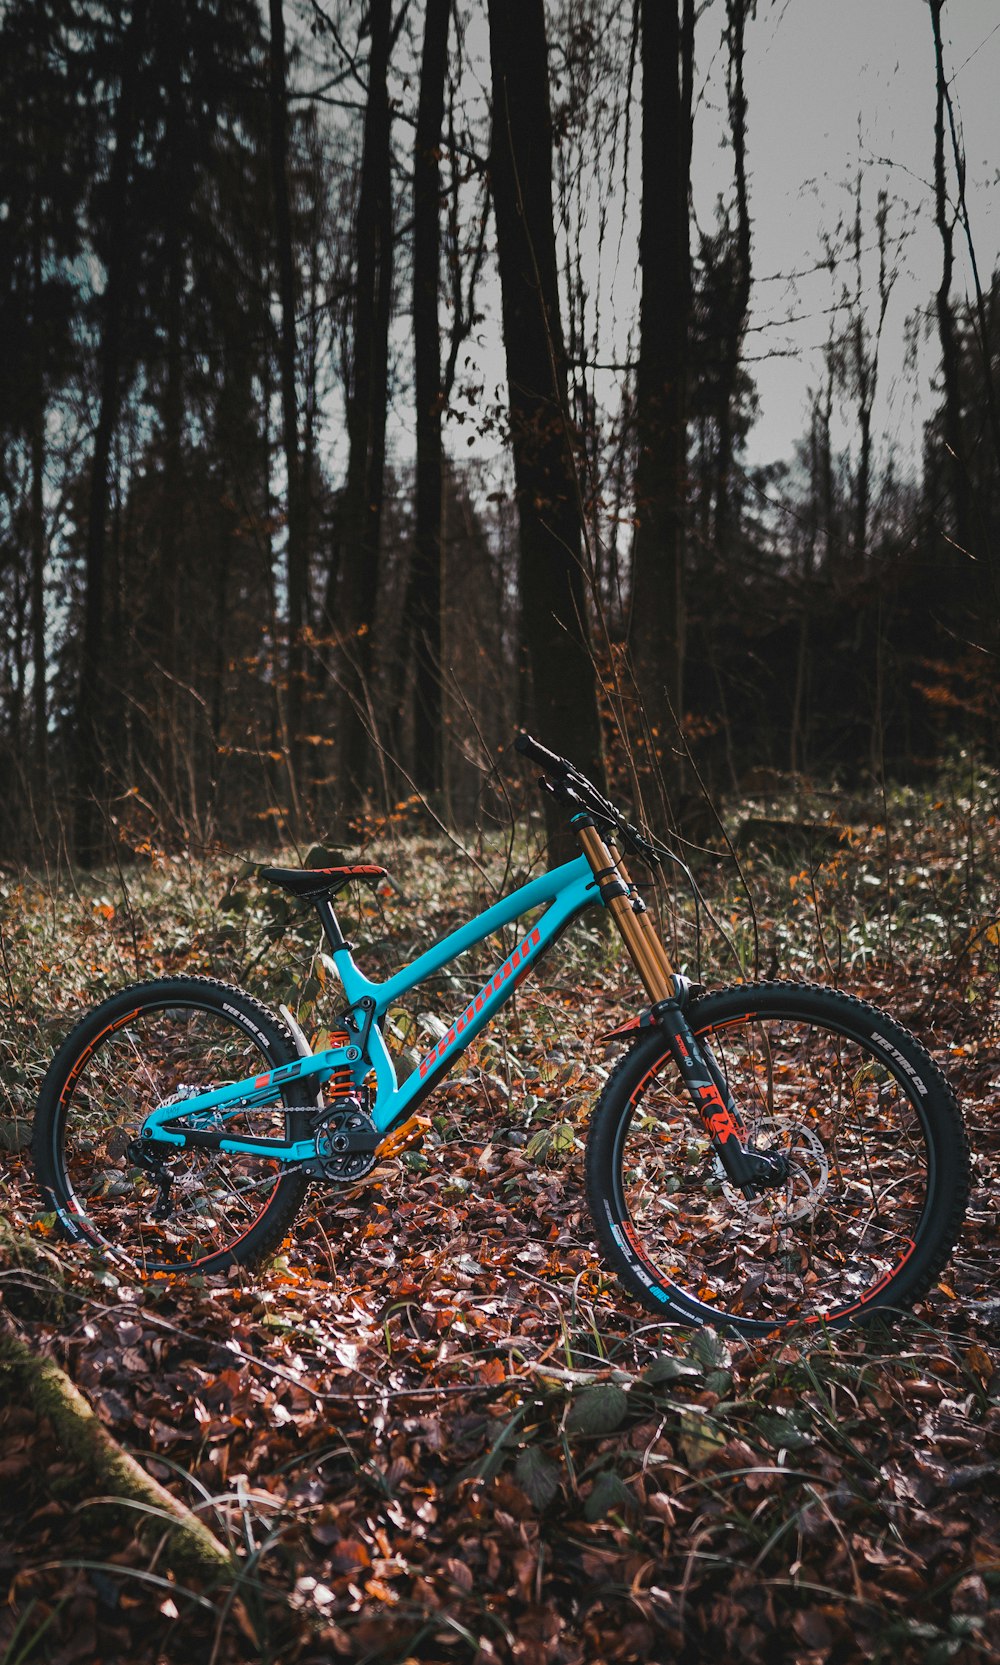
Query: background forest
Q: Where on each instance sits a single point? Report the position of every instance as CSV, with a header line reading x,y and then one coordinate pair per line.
x,y
375,378
273,550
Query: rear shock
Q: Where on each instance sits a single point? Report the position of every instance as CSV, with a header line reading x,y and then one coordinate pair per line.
x,y
340,1087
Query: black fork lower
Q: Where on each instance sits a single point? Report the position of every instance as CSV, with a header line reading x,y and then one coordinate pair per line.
x,y
752,1170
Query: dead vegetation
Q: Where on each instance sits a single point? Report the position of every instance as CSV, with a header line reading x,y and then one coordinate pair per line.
x,y
433,1429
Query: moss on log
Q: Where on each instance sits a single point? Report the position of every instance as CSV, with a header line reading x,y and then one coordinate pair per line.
x,y
103,1464
31,1277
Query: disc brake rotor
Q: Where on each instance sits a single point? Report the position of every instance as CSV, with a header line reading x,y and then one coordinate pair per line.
x,y
808,1176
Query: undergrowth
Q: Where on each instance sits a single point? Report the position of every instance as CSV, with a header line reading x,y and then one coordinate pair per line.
x,y
434,1429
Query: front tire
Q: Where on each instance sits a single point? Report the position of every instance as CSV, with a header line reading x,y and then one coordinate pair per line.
x,y
879,1166
148,1043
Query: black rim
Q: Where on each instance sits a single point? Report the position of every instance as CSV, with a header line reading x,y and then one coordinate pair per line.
x,y
659,1276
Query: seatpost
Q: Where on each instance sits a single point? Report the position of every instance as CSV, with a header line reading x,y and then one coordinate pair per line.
x,y
628,911
328,920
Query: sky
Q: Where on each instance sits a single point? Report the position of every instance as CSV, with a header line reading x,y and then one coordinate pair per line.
x,y
832,85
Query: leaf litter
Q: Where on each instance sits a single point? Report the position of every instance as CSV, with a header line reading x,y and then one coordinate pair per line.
x,y
433,1429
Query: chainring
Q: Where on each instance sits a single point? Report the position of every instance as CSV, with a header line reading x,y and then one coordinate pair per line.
x,y
346,1144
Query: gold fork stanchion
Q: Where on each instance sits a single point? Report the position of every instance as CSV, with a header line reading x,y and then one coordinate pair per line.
x,y
637,930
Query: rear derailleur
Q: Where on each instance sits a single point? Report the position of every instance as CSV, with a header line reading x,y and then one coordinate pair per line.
x,y
145,1155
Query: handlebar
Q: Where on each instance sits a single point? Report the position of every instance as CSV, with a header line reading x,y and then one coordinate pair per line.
x,y
528,746
569,783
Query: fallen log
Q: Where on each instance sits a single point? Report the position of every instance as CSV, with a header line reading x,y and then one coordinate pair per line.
x,y
104,1467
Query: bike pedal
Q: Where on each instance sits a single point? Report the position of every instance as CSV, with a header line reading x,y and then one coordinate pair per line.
x,y
403,1138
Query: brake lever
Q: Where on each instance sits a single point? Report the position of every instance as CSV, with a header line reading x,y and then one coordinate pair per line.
x,y
567,794
594,803
561,790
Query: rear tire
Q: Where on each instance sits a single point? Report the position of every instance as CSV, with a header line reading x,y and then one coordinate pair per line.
x,y
879,1174
126,1056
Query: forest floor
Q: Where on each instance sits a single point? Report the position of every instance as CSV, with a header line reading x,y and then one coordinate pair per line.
x,y
434,1429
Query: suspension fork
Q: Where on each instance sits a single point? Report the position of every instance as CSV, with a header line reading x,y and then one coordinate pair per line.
x,y
706,1085
629,912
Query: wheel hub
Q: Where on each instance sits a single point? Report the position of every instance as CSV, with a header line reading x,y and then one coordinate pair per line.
x,y
794,1195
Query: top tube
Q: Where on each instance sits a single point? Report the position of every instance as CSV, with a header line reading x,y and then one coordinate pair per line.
x,y
573,876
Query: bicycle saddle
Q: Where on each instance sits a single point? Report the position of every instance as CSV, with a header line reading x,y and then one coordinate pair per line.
x,y
319,881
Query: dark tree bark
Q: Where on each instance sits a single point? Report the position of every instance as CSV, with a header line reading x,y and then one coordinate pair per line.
x,y
827,476
657,620
297,553
866,346
361,507
92,703
40,183
981,584
553,589
981,313
950,353
38,653
166,625
423,608
739,299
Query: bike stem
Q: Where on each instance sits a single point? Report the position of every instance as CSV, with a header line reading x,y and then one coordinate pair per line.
x,y
667,991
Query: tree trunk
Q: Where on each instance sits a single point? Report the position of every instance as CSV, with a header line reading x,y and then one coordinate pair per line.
x,y
553,588
828,484
862,502
166,630
739,299
93,696
38,654
867,347
423,605
950,355
106,1467
297,554
657,614
981,314
361,510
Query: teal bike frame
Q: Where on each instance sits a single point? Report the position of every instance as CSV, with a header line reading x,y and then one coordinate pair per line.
x,y
563,893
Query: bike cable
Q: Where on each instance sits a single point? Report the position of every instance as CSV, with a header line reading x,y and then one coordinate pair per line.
x,y
566,781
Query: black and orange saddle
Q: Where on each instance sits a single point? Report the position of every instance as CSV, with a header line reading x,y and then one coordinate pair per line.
x,y
320,881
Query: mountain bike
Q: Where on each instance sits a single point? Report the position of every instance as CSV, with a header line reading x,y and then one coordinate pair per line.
x,y
763,1155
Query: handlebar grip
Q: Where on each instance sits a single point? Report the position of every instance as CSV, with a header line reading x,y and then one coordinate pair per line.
x,y
528,746
581,791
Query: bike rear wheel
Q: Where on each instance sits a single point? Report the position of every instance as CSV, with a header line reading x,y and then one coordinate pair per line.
x,y
145,1045
878,1178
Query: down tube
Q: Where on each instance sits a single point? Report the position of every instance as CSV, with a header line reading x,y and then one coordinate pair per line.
x,y
487,1003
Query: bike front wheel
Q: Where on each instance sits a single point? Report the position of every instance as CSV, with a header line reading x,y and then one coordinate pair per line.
x,y
193,1208
878,1174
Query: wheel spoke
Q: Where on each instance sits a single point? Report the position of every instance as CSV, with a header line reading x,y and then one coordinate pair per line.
x,y
183,1207
836,1228
877,1170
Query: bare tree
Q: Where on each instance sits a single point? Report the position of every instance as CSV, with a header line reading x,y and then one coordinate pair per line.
x,y
553,588
423,606
361,507
657,617
92,703
950,354
981,545
734,322
863,348
297,552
